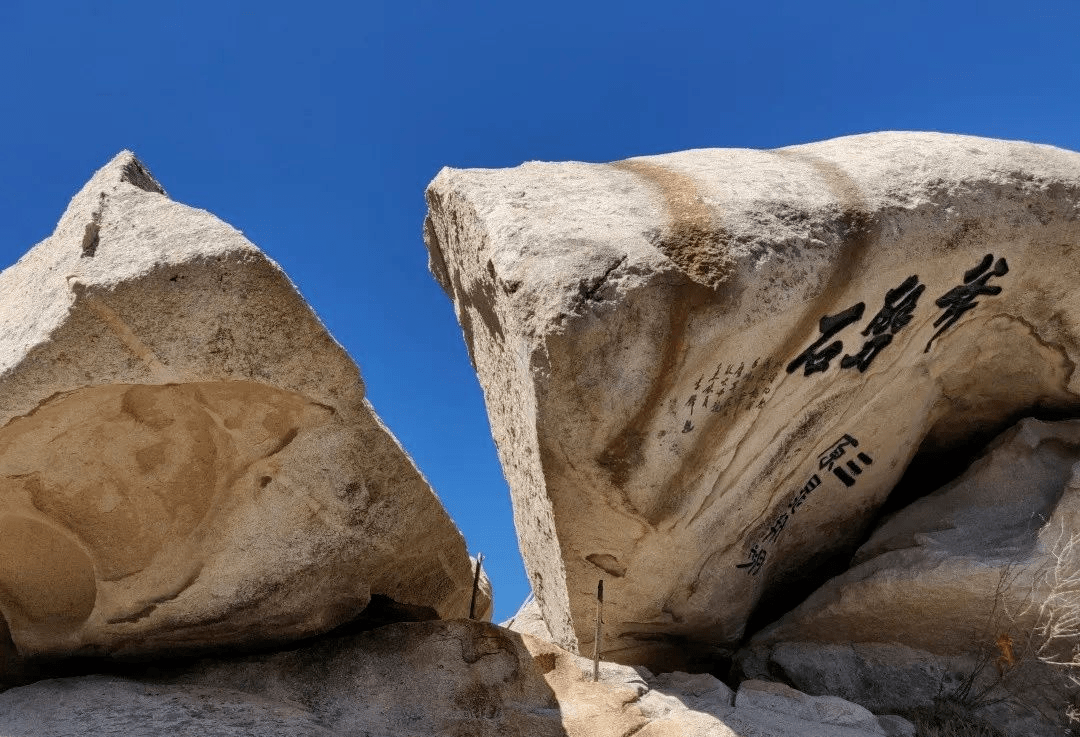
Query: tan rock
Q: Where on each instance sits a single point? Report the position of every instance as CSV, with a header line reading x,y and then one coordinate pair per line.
x,y
528,620
706,371
186,455
439,679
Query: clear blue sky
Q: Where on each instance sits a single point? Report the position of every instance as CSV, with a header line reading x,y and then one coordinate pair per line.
x,y
315,126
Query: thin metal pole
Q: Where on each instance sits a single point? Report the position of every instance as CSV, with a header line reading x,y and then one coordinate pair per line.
x,y
475,586
599,622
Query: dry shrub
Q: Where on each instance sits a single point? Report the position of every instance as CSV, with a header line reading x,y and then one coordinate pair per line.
x,y
948,719
1028,651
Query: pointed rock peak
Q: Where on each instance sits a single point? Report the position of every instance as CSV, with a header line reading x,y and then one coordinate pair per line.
x,y
127,168
84,214
135,172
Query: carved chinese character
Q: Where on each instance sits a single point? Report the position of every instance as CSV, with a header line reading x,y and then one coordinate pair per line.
x,y
869,351
890,319
777,527
854,468
959,300
850,469
828,459
756,561
813,483
816,358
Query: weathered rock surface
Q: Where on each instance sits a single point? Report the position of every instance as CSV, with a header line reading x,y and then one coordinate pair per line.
x,y
432,678
942,573
888,677
528,620
960,572
706,371
883,677
186,455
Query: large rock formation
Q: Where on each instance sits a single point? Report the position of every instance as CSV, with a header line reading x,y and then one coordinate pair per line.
x,y
706,371
433,678
186,455
977,579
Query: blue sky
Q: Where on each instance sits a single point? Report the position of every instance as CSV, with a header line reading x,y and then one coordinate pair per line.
x,y
314,128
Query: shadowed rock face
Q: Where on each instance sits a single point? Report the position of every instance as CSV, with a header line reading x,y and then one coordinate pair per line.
x,y
929,575
186,456
456,678
981,568
706,371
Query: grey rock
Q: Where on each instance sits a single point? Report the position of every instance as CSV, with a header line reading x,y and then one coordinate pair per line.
x,y
780,699
883,677
896,726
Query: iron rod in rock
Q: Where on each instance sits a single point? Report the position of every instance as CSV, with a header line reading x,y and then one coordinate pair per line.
x,y
599,623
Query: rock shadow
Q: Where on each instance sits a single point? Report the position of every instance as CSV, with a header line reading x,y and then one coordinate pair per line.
x,y
445,677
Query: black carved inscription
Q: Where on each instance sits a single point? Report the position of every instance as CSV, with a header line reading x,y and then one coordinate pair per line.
x,y
756,556
844,476
835,452
730,389
828,461
842,459
800,496
756,561
818,355
891,318
777,528
961,299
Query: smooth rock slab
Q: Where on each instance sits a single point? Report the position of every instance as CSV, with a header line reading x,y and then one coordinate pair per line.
x,y
706,371
187,459
829,716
